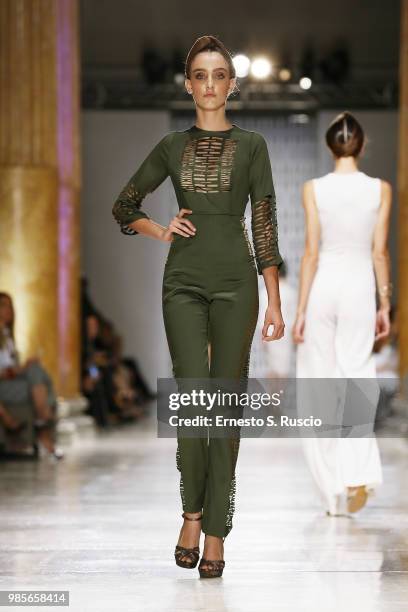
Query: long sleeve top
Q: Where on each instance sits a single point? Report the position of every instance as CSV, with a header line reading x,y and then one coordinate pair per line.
x,y
213,172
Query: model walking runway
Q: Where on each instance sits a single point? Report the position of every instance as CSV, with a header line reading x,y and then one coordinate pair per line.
x,y
210,284
340,318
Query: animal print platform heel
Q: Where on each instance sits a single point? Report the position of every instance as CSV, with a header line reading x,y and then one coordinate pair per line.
x,y
213,569
187,557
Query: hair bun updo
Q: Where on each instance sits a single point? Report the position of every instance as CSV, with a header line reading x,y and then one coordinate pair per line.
x,y
345,136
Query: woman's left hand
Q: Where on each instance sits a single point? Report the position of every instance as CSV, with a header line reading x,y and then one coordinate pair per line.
x,y
298,329
382,324
273,316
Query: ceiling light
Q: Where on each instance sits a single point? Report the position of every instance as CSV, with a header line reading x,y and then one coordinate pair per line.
x,y
261,67
241,64
305,83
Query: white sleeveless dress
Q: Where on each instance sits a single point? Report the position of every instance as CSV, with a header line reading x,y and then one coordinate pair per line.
x,y
340,324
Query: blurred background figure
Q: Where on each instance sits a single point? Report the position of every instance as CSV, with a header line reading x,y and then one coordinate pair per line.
x,y
336,321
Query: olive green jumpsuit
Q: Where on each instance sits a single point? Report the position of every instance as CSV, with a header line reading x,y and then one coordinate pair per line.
x,y
210,286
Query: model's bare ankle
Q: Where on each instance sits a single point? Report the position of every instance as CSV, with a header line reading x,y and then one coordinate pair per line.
x,y
190,531
213,548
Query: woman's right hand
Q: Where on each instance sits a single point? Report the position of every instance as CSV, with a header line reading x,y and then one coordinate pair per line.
x,y
179,225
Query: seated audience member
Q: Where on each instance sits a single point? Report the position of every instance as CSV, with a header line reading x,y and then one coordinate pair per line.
x,y
106,371
103,355
26,382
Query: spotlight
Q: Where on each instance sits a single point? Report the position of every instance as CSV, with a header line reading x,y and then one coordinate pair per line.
x,y
241,64
305,83
285,74
261,68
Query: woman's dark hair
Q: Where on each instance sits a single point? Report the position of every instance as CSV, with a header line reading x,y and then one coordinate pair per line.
x,y
345,136
6,296
208,43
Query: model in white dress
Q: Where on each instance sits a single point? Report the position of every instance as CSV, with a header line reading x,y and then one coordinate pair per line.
x,y
340,323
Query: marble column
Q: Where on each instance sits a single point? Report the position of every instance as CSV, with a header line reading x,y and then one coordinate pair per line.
x,y
403,202
68,111
39,181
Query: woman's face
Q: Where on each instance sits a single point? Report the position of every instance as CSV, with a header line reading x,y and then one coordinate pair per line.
x,y
210,82
6,311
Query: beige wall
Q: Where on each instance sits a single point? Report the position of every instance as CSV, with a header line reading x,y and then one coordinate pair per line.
x,y
125,272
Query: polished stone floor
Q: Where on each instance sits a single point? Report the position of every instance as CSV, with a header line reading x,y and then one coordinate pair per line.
x,y
103,524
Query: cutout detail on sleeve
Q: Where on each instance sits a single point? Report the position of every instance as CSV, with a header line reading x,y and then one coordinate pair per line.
x,y
128,205
265,233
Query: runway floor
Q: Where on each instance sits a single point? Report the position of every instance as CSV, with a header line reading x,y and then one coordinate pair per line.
x,y
103,524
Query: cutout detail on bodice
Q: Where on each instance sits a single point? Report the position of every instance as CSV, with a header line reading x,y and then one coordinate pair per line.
x,y
206,164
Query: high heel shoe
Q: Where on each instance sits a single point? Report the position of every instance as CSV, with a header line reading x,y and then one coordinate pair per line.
x,y
214,568
356,498
47,447
56,453
187,557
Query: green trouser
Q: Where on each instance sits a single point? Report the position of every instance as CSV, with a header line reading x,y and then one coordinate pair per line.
x,y
210,296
